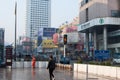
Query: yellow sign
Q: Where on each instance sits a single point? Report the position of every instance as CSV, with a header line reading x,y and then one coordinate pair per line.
x,y
48,44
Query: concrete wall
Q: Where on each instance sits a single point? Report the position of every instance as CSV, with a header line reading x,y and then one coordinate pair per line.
x,y
98,70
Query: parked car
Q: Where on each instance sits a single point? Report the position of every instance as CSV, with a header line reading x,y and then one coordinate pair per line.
x,y
116,58
27,58
65,60
2,64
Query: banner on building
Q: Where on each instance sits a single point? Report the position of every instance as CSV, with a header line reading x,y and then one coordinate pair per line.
x,y
48,32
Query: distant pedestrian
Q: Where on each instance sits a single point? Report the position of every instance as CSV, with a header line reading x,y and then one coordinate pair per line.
x,y
33,61
51,67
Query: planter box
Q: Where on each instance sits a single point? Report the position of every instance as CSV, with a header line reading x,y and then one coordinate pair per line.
x,y
13,64
118,72
75,67
28,64
19,64
42,64
36,64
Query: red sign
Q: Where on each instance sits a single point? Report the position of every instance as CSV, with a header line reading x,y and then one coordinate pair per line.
x,y
9,56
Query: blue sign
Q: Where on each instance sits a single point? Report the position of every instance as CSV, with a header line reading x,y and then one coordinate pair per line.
x,y
90,43
48,32
84,49
102,54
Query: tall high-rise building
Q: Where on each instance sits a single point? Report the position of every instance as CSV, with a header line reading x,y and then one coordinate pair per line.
x,y
38,15
2,44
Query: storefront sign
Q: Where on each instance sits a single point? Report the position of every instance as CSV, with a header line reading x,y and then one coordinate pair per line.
x,y
99,22
86,25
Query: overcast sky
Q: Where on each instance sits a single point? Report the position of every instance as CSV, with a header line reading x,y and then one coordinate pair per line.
x,y
61,11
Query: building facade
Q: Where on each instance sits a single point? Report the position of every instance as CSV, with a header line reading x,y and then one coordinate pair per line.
x,y
2,44
100,21
38,15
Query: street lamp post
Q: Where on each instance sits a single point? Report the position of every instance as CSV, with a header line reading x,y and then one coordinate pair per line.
x,y
15,27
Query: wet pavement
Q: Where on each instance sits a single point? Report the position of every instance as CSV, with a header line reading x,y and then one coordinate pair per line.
x,y
42,74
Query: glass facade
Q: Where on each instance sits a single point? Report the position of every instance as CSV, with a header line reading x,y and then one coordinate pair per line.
x,y
115,13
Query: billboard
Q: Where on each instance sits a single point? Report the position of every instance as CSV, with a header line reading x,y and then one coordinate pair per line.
x,y
72,37
60,39
55,38
48,32
48,44
39,39
45,33
40,32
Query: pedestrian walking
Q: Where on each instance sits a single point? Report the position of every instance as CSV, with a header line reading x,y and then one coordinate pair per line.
x,y
33,61
51,67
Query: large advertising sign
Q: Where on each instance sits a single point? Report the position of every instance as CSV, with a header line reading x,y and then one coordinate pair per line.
x,y
60,39
48,32
55,38
39,39
72,37
45,33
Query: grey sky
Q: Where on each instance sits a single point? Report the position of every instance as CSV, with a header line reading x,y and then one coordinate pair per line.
x,y
62,10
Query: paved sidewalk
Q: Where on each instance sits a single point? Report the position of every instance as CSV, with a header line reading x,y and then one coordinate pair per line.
x,y
42,74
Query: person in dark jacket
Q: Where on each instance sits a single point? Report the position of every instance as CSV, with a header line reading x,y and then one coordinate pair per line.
x,y
51,67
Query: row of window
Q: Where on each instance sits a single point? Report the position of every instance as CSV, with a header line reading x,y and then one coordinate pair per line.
x,y
39,17
42,20
45,24
39,4
115,13
85,2
39,22
39,12
113,40
42,24
39,9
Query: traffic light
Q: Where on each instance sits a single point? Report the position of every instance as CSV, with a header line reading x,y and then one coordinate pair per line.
x,y
65,39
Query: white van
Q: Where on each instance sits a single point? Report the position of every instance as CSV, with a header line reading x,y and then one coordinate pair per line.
x,y
116,58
